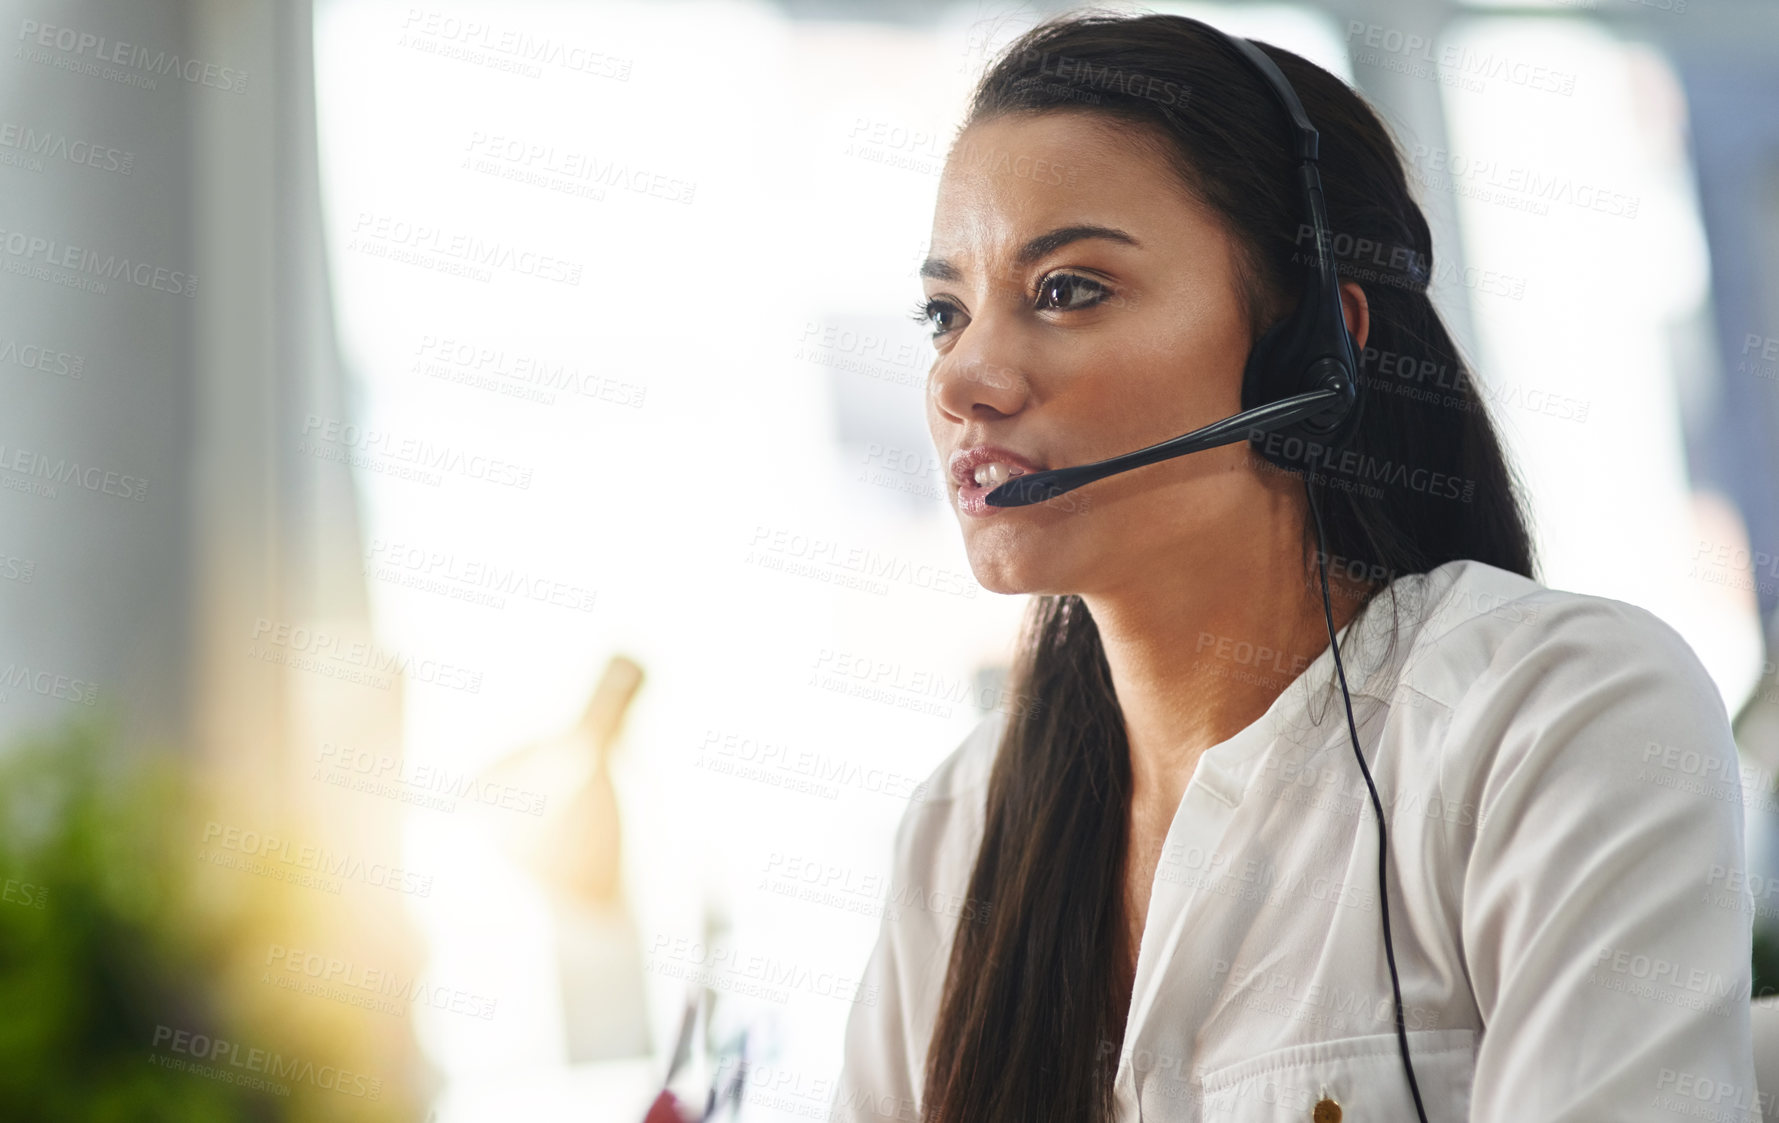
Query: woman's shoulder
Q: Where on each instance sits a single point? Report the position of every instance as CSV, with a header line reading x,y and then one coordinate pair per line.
x,y
1550,706
963,774
937,838
1477,624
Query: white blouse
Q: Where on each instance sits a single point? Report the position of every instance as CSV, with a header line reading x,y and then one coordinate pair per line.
x,y
1568,900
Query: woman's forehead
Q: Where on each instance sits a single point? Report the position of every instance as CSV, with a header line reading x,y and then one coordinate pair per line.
x,y
1080,146
1012,180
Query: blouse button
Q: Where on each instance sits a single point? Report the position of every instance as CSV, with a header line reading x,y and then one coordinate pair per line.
x,y
1327,1111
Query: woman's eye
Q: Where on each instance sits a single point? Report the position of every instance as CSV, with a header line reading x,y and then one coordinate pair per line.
x,y
925,311
1063,291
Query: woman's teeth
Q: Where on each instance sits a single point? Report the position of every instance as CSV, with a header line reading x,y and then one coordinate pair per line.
x,y
994,474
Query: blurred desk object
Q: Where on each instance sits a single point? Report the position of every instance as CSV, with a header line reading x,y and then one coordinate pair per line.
x,y
575,847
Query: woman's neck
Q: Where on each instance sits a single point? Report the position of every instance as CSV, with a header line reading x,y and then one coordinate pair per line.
x,y
1195,657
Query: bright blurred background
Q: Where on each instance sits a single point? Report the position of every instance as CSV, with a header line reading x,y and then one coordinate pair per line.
x,y
475,580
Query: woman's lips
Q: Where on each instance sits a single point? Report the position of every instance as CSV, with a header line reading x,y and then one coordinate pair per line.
x,y
971,496
972,499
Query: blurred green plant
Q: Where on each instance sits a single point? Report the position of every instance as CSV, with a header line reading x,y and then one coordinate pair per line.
x,y
113,1002
1755,717
1766,961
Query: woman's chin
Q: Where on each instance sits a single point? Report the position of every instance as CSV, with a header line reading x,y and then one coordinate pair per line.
x,y
997,583
1013,575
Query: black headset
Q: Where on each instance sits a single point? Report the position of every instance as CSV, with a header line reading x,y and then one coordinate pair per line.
x,y
1301,398
1311,348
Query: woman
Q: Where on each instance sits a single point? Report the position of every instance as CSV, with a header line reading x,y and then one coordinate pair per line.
x,y
1162,851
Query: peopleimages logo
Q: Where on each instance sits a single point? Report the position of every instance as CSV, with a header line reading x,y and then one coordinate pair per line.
x,y
35,251
29,147
26,466
231,846
506,48
382,235
342,980
36,39
220,1058
1351,470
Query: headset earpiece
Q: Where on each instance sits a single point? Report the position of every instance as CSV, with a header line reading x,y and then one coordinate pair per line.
x,y
1307,350
1310,349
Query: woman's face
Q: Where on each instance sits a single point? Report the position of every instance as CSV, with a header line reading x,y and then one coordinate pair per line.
x,y
1070,347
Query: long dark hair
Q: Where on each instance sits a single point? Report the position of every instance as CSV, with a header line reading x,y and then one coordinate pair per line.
x,y
1032,1011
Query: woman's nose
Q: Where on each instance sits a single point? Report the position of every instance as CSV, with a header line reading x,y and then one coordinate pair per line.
x,y
972,381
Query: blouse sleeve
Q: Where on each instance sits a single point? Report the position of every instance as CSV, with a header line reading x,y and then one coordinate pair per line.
x,y
879,1077
884,1062
1606,925
876,1081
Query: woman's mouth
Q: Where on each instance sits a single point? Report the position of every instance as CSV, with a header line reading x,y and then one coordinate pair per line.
x,y
979,470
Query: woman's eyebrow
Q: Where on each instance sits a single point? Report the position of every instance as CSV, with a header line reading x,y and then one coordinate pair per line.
x,y
942,270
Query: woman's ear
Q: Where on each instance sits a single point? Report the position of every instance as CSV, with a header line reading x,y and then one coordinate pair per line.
x,y
1357,312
